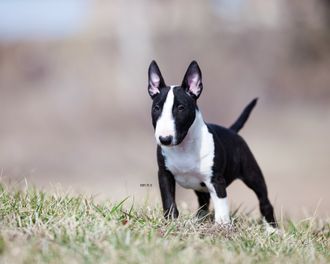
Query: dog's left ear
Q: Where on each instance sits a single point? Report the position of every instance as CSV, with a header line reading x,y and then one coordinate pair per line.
x,y
192,80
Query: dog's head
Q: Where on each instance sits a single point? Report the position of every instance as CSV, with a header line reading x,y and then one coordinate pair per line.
x,y
174,107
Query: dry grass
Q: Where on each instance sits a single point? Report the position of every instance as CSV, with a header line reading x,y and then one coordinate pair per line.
x,y
37,227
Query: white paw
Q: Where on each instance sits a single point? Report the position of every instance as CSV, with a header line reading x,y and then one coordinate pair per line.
x,y
269,229
222,220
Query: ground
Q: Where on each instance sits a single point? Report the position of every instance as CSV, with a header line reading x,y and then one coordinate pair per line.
x,y
39,227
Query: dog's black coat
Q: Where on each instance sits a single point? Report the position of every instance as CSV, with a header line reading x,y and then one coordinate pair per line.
x,y
232,158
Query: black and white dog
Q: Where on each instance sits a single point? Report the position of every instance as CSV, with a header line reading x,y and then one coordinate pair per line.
x,y
200,156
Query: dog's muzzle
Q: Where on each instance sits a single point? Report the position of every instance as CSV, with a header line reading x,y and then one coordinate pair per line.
x,y
166,141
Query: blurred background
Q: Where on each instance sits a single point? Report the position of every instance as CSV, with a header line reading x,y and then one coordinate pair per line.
x,y
75,112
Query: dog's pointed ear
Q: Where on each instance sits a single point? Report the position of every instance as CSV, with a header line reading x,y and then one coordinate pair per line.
x,y
192,80
155,81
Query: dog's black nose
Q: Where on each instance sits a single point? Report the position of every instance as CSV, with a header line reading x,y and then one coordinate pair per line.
x,y
166,140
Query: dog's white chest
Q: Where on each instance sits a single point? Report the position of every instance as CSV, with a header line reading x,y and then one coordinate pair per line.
x,y
189,171
191,162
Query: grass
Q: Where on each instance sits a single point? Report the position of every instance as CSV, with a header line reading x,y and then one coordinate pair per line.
x,y
37,227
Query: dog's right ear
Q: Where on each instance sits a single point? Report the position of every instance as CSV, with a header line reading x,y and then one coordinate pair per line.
x,y
156,81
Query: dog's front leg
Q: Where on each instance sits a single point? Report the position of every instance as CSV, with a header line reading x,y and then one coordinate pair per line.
x,y
217,190
167,190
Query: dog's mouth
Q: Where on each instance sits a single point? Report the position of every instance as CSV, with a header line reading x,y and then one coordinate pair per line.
x,y
168,146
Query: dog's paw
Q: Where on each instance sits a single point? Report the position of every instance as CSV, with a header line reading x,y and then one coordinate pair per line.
x,y
269,230
222,220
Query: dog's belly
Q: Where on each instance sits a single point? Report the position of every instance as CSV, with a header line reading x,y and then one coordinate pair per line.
x,y
190,181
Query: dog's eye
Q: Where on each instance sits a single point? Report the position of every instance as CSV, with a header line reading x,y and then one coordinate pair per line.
x,y
180,107
156,108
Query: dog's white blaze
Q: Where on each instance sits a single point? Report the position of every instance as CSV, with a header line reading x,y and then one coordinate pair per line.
x,y
165,125
191,161
221,209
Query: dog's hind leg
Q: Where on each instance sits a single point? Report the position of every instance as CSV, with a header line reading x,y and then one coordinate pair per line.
x,y
253,178
203,202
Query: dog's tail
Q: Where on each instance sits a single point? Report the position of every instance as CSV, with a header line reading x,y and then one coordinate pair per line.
x,y
239,123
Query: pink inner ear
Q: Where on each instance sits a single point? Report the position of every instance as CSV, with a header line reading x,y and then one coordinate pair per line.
x,y
154,84
193,83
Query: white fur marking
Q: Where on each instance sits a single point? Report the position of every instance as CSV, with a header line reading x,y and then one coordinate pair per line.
x,y
165,125
221,208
